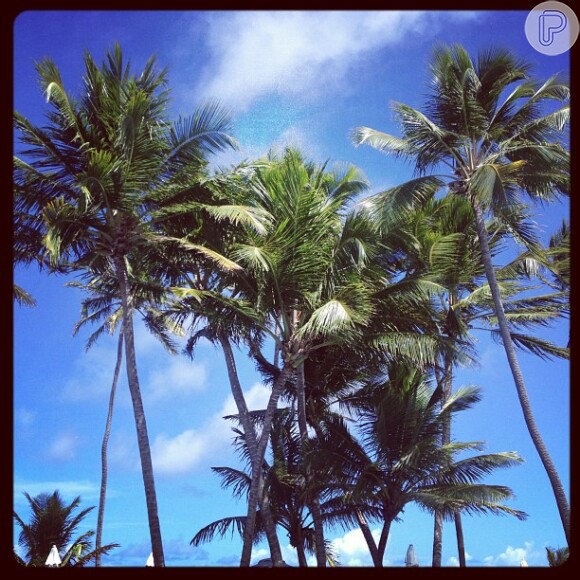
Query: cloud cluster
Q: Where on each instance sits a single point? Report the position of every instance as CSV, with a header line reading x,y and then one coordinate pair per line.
x,y
294,53
299,53
513,556
352,549
188,450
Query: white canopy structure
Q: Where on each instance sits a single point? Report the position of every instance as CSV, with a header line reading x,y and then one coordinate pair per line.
x,y
150,561
53,558
411,558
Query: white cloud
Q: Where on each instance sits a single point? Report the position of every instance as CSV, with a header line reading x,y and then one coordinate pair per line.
x,y
298,53
513,556
176,377
293,52
63,447
182,453
68,489
178,454
260,554
256,398
352,549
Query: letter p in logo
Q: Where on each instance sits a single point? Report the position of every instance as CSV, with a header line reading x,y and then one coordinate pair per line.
x,y
552,27
551,22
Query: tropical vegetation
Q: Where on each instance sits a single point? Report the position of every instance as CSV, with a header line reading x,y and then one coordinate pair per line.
x,y
54,523
356,309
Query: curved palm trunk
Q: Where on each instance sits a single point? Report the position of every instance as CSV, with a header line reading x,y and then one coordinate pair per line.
x,y
139,413
510,351
257,484
314,506
238,394
104,468
383,539
368,536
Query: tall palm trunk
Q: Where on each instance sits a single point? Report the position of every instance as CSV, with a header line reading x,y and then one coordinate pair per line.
x,y
302,563
251,442
460,539
557,487
382,546
314,503
257,483
139,413
368,536
104,468
446,382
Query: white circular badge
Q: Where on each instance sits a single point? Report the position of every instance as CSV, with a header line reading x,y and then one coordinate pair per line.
x,y
552,28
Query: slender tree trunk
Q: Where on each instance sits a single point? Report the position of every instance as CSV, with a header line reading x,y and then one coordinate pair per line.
x,y
460,539
510,351
256,462
383,539
314,503
139,413
302,562
104,468
368,536
437,539
257,483
446,383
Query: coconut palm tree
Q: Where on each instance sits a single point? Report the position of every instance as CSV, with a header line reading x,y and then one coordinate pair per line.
x,y
284,486
96,171
398,457
438,242
289,290
557,556
55,523
307,281
487,125
102,306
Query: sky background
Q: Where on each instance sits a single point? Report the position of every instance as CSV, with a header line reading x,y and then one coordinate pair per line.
x,y
300,78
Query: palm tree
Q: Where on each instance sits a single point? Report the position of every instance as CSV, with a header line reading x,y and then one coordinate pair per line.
x,y
438,242
54,522
400,459
291,289
485,122
285,489
557,556
96,173
102,306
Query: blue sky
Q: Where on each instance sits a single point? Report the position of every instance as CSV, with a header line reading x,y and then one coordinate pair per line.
x,y
300,78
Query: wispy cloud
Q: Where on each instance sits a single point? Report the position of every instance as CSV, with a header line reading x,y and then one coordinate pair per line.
x,y
178,377
297,53
192,448
63,447
25,418
92,373
69,489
